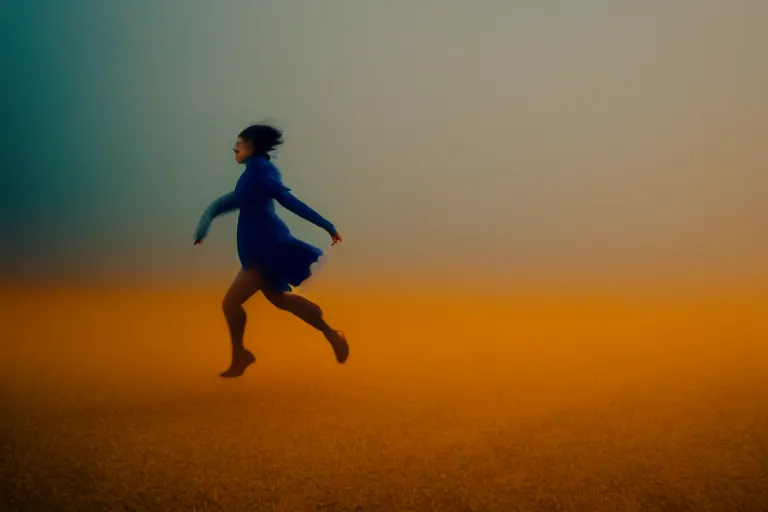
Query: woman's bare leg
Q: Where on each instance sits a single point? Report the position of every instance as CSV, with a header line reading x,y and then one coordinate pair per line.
x,y
311,313
243,287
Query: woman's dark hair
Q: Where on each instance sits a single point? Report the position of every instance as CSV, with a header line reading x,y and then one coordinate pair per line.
x,y
263,137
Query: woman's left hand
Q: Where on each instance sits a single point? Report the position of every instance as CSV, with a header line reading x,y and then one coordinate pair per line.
x,y
336,238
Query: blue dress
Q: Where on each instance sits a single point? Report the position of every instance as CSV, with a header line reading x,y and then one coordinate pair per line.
x,y
264,242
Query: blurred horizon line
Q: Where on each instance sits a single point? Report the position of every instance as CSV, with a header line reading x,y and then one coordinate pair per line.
x,y
413,283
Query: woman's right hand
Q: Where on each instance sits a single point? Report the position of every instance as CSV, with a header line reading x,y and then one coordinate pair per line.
x,y
202,228
336,238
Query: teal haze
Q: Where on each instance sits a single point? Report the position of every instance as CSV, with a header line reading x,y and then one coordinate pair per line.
x,y
491,138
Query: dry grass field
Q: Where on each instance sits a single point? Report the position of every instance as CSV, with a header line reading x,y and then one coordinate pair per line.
x,y
111,400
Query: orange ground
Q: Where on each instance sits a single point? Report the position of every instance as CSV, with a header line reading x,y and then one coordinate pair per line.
x,y
111,401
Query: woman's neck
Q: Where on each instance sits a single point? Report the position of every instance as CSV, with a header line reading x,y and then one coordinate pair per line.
x,y
257,156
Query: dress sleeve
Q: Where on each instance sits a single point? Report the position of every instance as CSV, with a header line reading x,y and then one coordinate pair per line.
x,y
224,204
282,194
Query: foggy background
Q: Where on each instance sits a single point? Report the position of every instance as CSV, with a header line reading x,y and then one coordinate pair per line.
x,y
591,138
523,187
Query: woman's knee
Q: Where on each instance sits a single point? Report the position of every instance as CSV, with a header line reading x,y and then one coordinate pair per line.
x,y
231,307
245,285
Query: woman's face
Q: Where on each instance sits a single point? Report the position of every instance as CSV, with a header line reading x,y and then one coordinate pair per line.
x,y
243,149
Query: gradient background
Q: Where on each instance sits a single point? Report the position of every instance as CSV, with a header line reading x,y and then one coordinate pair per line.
x,y
498,139
554,273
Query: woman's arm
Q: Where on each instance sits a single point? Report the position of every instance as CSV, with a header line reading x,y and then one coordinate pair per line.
x,y
273,184
224,204
291,203
220,206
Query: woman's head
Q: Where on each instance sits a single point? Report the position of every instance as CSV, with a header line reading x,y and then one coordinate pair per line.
x,y
257,139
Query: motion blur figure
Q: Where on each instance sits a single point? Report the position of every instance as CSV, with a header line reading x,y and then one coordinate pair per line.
x,y
272,260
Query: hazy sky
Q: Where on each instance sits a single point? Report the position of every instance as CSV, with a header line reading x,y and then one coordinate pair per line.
x,y
518,136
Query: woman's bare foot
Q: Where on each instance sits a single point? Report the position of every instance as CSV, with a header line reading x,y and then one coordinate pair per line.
x,y
339,343
240,361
